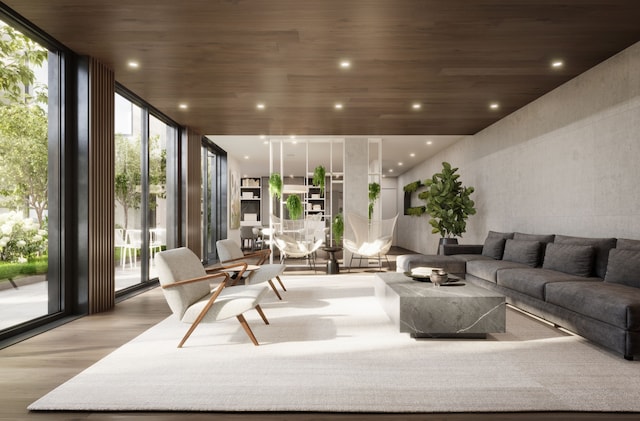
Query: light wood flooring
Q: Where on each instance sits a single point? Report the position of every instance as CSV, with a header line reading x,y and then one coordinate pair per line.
x,y
35,366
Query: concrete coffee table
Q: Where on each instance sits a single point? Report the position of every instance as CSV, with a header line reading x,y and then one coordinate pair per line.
x,y
448,311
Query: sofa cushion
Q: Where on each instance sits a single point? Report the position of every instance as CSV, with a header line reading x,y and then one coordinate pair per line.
x,y
569,258
487,269
611,303
522,251
624,267
601,246
493,247
626,244
498,234
532,281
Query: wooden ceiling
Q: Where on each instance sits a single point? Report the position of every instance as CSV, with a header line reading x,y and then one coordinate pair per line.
x,y
455,57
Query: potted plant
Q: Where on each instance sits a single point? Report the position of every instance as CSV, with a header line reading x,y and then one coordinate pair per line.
x,y
318,178
275,185
294,204
374,193
337,227
448,203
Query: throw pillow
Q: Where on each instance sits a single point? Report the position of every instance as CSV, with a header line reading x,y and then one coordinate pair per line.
x,y
543,238
569,258
522,251
493,247
505,235
624,267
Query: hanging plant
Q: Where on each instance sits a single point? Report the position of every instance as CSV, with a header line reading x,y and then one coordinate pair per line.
x,y
374,193
294,204
318,178
275,185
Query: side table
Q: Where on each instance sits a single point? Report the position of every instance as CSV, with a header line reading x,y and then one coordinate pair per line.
x,y
332,263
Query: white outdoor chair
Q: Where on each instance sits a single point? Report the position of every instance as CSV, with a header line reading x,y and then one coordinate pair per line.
x,y
229,252
373,239
187,289
290,247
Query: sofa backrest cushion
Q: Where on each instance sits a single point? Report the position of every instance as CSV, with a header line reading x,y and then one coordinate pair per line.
x,y
522,251
494,244
542,238
626,244
569,258
600,245
624,267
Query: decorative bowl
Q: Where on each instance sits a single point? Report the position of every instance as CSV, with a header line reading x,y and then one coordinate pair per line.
x,y
439,277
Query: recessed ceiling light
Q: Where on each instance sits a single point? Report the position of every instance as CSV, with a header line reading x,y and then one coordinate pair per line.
x,y
412,155
338,106
494,105
183,106
400,164
260,106
133,64
429,142
557,63
263,137
246,157
416,106
390,169
345,64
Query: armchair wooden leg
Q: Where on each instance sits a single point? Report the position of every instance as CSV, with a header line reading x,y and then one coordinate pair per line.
x,y
274,289
281,284
247,329
261,313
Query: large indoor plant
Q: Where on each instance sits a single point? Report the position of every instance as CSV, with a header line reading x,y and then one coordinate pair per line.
x,y
337,227
448,203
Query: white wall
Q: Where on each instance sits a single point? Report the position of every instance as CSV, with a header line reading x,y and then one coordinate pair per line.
x,y
567,163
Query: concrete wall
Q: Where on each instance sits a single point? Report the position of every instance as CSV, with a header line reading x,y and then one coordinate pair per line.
x,y
568,163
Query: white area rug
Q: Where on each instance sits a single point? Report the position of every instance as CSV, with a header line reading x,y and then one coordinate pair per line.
x,y
331,347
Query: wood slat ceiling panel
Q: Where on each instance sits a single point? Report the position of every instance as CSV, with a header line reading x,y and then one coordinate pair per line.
x,y
454,56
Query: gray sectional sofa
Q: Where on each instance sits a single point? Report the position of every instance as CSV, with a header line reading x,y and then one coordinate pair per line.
x,y
590,286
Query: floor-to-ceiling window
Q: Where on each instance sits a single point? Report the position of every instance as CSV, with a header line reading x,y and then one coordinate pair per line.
x,y
214,199
143,201
30,98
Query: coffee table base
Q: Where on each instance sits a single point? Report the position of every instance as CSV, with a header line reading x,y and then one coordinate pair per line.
x,y
426,311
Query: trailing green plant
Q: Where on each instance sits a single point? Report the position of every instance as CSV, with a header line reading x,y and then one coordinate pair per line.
x,y
275,185
416,210
294,204
374,193
337,227
412,187
448,202
319,178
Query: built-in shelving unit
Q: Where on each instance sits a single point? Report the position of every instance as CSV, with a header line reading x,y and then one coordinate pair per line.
x,y
250,201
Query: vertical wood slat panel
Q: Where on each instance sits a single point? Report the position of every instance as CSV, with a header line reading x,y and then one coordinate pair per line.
x,y
194,193
101,188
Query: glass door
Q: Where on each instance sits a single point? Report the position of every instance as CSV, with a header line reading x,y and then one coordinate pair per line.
x,y
214,200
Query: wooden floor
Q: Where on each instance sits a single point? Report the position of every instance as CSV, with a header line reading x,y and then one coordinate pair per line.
x,y
35,366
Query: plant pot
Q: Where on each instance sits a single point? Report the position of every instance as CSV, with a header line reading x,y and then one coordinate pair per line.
x,y
446,240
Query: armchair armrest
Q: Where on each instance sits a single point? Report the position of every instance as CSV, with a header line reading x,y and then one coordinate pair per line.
x,y
200,279
450,249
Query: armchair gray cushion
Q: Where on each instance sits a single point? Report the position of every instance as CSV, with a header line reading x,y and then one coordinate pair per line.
x,y
569,258
522,251
624,267
626,244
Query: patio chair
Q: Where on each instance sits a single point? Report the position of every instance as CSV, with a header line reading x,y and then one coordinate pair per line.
x,y
373,239
229,252
290,247
187,288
